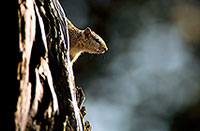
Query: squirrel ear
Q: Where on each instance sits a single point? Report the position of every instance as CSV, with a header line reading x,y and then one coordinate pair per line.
x,y
87,31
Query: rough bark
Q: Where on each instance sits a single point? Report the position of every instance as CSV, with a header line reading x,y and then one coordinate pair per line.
x,y
48,99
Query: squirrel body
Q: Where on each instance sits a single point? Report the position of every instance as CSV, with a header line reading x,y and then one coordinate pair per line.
x,y
84,41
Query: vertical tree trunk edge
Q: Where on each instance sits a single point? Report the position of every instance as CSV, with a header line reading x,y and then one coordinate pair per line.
x,y
44,100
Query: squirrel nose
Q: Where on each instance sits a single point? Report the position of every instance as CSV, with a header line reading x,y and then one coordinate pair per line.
x,y
105,47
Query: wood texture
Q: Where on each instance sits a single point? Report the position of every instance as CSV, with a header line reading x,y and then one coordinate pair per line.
x,y
44,73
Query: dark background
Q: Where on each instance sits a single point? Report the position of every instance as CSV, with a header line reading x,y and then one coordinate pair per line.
x,y
149,80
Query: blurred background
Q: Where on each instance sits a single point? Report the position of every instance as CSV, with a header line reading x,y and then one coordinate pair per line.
x,y
149,80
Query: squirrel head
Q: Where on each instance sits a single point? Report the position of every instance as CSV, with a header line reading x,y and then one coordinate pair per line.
x,y
93,43
84,41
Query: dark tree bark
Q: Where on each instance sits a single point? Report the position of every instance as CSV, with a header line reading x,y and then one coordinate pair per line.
x,y
48,98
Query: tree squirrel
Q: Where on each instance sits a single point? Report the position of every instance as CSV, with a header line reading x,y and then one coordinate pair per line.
x,y
84,41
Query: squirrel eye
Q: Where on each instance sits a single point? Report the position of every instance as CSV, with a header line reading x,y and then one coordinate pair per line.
x,y
97,40
87,31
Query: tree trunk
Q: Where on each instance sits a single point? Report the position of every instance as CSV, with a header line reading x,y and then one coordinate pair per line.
x,y
48,98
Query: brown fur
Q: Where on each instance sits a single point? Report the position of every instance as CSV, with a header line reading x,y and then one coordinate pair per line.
x,y
84,41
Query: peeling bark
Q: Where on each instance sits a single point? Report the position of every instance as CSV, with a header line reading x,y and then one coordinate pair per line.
x,y
48,98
